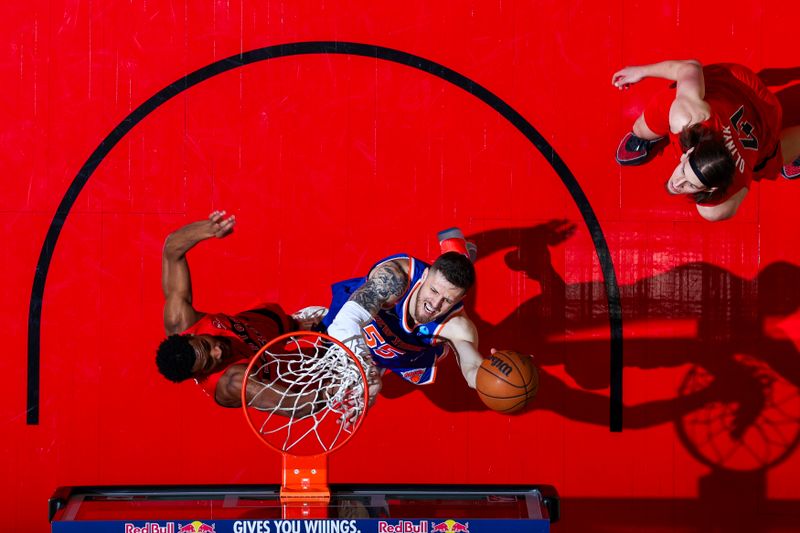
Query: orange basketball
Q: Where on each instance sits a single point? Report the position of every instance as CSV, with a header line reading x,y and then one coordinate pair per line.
x,y
507,381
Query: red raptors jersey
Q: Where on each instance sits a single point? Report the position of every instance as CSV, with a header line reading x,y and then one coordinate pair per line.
x,y
744,111
247,332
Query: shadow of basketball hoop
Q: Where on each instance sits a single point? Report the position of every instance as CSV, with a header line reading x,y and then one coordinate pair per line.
x,y
756,431
738,406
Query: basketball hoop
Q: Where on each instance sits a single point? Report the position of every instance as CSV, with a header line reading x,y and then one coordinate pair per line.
x,y
304,395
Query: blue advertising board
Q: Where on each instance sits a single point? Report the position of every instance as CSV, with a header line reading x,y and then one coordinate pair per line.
x,y
307,526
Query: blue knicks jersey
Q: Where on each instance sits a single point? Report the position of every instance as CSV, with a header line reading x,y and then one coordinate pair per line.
x,y
411,352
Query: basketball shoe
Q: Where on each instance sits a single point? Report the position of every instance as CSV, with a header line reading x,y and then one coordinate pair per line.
x,y
452,240
633,150
791,170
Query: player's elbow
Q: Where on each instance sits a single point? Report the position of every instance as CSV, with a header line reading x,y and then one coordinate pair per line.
x,y
689,65
689,68
172,248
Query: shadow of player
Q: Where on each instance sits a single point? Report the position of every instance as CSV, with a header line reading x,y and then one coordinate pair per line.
x,y
785,83
720,323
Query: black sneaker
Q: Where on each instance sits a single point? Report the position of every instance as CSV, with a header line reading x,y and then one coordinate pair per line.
x,y
791,170
634,150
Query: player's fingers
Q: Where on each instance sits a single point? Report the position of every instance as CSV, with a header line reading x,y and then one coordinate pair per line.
x,y
226,226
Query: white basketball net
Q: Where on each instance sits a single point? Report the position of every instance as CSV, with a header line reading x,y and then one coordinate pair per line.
x,y
320,391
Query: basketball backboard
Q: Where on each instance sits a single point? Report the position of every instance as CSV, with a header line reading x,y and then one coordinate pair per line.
x,y
258,509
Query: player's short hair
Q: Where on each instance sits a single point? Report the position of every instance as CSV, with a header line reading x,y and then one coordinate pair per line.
x,y
456,268
175,358
710,157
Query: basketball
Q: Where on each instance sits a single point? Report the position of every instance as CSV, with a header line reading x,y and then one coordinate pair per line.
x,y
506,381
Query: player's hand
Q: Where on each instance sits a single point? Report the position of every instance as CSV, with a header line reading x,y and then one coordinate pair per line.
x,y
349,412
371,370
374,381
623,79
374,385
493,351
351,408
221,226
687,111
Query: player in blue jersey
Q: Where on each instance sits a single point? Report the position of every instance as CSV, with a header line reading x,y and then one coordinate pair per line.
x,y
406,315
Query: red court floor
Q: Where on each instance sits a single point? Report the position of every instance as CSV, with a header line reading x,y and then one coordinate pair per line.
x,y
498,117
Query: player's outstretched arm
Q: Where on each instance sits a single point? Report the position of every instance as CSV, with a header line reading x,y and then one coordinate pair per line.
x,y
176,280
463,335
229,394
683,71
689,106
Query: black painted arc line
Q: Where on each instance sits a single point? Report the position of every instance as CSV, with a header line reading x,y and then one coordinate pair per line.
x,y
326,47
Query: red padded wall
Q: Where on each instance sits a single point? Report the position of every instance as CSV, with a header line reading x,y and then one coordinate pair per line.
x,y
331,162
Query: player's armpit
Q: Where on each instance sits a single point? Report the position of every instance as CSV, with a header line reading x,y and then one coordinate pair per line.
x,y
386,284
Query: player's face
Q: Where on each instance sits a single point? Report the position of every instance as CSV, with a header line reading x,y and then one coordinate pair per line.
x,y
209,351
683,179
436,297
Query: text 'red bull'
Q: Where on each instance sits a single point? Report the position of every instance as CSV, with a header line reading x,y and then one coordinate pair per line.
x,y
403,526
150,527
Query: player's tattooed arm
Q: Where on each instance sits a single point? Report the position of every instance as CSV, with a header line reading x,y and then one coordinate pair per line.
x,y
385,286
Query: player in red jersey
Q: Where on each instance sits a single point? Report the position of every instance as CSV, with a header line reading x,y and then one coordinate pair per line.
x,y
214,348
725,126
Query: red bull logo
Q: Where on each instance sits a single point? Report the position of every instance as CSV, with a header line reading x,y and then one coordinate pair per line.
x,y
403,526
150,527
195,527
450,526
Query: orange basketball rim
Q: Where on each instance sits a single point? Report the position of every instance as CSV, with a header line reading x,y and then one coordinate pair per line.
x,y
304,394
